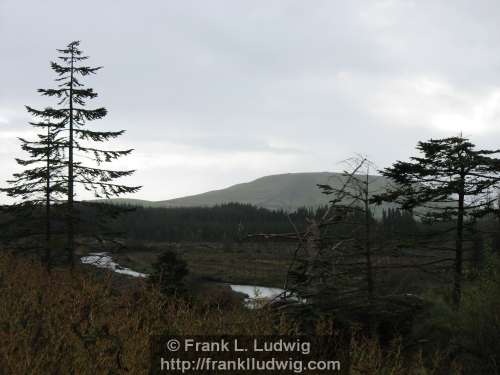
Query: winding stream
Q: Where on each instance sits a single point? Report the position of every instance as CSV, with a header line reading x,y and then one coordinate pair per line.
x,y
104,260
256,295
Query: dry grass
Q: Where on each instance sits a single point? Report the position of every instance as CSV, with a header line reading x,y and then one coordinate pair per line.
x,y
76,323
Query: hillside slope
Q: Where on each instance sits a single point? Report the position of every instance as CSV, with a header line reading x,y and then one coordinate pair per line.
x,y
284,191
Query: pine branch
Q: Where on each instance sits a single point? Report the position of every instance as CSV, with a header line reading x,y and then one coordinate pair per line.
x,y
97,136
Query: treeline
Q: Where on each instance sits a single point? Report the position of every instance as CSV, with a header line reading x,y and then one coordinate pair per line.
x,y
231,222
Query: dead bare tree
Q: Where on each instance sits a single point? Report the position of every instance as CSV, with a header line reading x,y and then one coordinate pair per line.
x,y
335,262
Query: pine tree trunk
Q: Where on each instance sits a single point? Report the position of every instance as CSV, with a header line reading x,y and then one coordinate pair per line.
x,y
457,288
47,206
70,213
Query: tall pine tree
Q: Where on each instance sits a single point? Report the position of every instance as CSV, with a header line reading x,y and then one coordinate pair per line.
x,y
84,160
37,187
451,182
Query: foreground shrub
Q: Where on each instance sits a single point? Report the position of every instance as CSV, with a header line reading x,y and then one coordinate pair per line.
x,y
470,334
168,273
477,330
80,323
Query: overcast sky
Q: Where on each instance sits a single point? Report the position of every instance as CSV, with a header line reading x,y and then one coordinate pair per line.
x,y
213,93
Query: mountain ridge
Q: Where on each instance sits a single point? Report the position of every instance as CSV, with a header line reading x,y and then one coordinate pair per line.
x,y
287,191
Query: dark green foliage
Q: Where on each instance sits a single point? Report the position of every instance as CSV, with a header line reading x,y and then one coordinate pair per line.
x,y
470,333
477,330
168,273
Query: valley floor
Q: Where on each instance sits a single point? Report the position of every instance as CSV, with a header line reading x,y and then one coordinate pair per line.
x,y
256,263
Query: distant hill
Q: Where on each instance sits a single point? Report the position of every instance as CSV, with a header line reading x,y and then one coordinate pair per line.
x,y
284,191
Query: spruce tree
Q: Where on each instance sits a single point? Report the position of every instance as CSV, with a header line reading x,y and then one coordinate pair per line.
x,y
451,182
37,187
84,160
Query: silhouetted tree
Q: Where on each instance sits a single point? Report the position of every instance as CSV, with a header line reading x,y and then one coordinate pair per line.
x,y
451,181
38,186
71,116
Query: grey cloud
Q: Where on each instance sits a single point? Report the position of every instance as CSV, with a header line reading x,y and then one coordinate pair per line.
x,y
257,76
